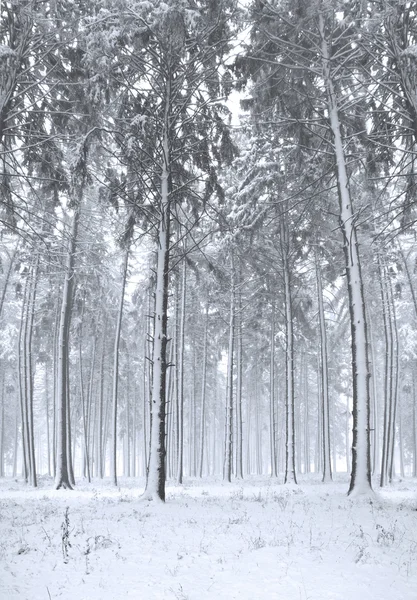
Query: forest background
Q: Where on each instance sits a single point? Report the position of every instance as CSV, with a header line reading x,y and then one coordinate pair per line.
x,y
184,296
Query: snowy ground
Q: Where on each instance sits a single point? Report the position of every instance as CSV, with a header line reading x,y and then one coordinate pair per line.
x,y
250,541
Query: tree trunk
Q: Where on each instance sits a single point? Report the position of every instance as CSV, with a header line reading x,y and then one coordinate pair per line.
x,y
116,370
84,416
228,433
387,371
290,475
272,416
180,466
203,393
2,427
29,367
21,373
395,383
155,485
307,459
325,405
414,400
239,385
62,477
360,482
375,415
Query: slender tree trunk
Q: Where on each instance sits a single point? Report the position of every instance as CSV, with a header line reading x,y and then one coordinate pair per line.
x,y
258,427
128,418
239,385
171,451
387,371
22,382
325,405
401,439
48,434
290,474
395,384
155,485
100,432
144,410
69,431
180,467
203,392
307,458
272,416
63,467
55,389
319,437
228,435
30,375
360,482
16,439
116,370
414,425
84,416
249,434
375,415
2,427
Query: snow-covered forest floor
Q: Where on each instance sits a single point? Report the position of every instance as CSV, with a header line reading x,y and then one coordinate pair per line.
x,y
253,539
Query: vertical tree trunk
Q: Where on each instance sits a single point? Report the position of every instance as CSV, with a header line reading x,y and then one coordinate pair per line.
x,y
272,415
83,410
155,485
116,370
69,431
89,414
290,475
55,389
239,385
100,432
29,367
258,426
48,434
360,482
387,371
21,373
414,397
319,437
128,418
62,477
375,415
395,383
228,433
203,392
401,439
16,439
144,410
2,427
327,467
180,467
171,465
